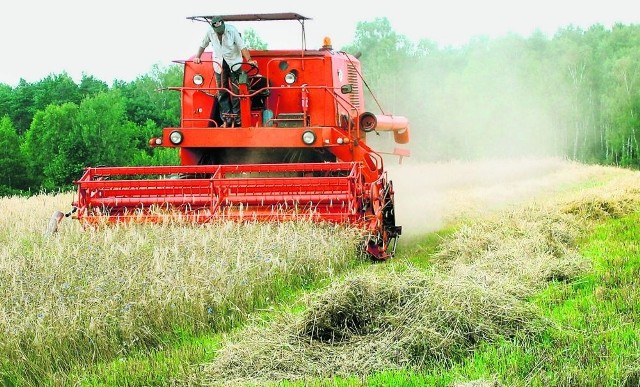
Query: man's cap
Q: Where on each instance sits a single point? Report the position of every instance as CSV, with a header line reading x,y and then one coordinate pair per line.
x,y
218,24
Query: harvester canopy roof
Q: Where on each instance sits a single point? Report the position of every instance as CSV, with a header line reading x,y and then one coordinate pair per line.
x,y
253,17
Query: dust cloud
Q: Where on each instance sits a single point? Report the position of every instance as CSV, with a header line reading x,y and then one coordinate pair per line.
x,y
429,195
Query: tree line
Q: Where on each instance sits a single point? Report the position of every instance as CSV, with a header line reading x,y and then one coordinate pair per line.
x,y
572,95
54,128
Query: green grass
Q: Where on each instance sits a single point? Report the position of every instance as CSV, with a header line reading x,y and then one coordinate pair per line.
x,y
594,338
418,250
158,367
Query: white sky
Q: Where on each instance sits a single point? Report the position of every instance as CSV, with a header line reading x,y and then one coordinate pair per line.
x,y
120,39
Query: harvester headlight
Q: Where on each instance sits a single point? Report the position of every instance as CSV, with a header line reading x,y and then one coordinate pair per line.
x,y
308,137
176,137
291,77
198,79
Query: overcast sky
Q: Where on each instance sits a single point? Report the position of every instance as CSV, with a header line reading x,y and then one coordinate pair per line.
x,y
120,39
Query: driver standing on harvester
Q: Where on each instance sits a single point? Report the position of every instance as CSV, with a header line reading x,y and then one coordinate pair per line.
x,y
228,50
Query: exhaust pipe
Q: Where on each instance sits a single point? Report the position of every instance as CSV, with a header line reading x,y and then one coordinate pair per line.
x,y
397,124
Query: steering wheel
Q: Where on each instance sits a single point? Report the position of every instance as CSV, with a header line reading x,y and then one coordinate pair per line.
x,y
249,68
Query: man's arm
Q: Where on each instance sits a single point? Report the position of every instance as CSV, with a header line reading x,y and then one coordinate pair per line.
x,y
247,56
197,57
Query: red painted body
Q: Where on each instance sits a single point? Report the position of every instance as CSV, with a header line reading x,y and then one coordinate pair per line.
x,y
263,170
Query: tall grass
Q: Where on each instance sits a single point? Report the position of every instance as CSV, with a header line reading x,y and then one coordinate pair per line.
x,y
84,296
477,297
399,317
507,299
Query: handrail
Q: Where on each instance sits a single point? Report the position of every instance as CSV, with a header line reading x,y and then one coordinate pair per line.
x,y
341,102
330,90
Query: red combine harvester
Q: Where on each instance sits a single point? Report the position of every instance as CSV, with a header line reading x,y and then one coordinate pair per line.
x,y
299,153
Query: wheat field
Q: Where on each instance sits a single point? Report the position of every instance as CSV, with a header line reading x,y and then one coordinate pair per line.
x,y
82,296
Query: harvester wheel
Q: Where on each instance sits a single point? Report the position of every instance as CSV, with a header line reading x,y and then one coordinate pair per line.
x,y
382,246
